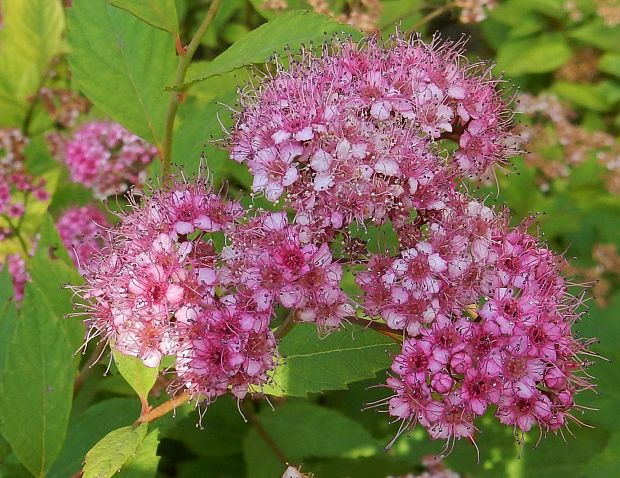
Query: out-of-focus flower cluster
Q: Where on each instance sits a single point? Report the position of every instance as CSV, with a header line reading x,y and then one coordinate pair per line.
x,y
362,14
434,468
64,106
17,186
104,156
474,11
577,144
82,230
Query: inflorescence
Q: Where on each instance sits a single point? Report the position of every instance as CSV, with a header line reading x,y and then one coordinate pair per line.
x,y
354,137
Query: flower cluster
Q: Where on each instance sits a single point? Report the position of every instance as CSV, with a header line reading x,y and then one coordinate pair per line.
x,y
16,266
348,139
64,106
488,324
155,290
106,157
353,134
17,186
80,231
273,262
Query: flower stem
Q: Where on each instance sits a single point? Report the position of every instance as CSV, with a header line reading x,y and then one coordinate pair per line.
x,y
175,96
164,408
434,14
252,418
383,329
286,326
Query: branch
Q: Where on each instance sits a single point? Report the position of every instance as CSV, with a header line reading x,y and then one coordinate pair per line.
x,y
164,408
175,96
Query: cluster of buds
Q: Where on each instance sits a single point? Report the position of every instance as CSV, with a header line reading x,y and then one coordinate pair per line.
x,y
106,157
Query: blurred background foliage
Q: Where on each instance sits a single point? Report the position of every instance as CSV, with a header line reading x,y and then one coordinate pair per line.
x,y
560,60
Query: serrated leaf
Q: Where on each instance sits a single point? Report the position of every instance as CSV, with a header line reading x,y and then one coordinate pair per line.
x,y
300,430
139,376
36,387
90,427
32,37
290,29
314,365
160,14
113,451
144,462
122,65
539,54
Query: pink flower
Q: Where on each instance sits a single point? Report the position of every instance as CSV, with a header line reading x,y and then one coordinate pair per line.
x,y
82,230
106,157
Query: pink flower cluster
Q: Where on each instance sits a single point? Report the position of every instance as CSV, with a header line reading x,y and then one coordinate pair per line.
x,y
80,231
17,186
352,134
487,319
156,290
274,263
16,266
106,157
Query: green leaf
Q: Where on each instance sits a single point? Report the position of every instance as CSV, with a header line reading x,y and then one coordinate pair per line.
x,y
311,364
113,451
607,462
144,463
222,434
122,65
32,37
291,29
36,387
90,427
584,95
52,269
597,34
540,54
8,314
302,430
160,14
610,63
139,376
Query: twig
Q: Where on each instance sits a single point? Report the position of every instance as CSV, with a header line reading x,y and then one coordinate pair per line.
x,y
434,14
164,408
378,326
175,96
